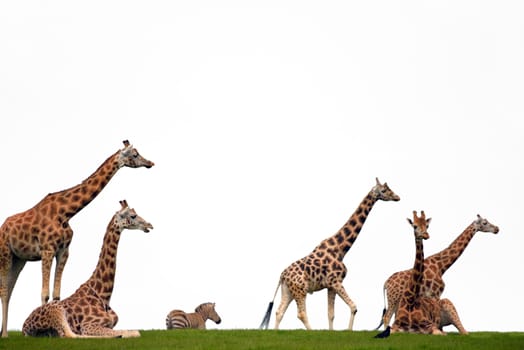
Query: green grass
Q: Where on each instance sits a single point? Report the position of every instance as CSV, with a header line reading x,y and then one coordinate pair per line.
x,y
270,339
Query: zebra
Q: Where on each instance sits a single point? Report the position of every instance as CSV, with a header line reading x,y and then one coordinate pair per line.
x,y
179,319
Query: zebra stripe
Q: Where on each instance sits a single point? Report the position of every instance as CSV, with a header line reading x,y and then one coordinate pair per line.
x,y
177,319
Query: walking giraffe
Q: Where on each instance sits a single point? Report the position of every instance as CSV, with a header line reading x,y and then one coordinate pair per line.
x,y
324,267
416,313
43,232
177,319
86,313
434,268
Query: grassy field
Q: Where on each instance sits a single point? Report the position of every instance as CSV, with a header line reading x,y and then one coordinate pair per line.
x,y
270,339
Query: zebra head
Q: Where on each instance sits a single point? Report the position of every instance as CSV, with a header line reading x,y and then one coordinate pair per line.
x,y
207,310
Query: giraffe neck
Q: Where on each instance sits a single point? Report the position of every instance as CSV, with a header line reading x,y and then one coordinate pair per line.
x,y
347,235
78,197
448,256
103,277
418,272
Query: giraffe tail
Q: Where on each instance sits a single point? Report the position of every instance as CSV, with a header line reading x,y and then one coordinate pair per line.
x,y
267,317
265,321
381,319
383,310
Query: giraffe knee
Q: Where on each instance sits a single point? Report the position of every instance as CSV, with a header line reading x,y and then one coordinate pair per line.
x,y
279,314
302,316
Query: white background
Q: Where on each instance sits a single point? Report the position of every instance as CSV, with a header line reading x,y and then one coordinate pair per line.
x,y
268,122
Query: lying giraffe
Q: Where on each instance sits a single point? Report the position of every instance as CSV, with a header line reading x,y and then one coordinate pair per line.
x,y
434,268
324,267
43,232
416,313
86,313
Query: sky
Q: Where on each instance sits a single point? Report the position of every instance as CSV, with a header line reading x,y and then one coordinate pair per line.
x,y
268,122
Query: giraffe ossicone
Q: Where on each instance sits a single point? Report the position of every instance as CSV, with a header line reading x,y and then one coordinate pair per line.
x,y
433,284
86,313
324,267
43,232
416,313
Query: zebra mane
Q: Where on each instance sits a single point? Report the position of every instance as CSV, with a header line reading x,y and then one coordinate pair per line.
x,y
204,308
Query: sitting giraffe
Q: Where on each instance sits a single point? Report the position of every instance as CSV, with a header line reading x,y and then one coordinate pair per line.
x,y
416,313
324,267
434,268
86,313
43,232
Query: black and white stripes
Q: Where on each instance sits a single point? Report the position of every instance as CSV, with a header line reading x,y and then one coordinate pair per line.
x,y
179,319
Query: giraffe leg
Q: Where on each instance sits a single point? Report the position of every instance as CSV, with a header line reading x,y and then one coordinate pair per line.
x,y
301,311
390,311
5,267
48,320
284,303
331,306
436,331
393,298
7,284
47,260
5,305
99,331
341,291
449,315
61,259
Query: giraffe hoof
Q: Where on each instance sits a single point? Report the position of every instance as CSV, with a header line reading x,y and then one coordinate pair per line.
x,y
386,333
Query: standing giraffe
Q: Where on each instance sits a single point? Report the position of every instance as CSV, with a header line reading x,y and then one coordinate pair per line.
x,y
43,232
324,267
86,313
434,268
416,313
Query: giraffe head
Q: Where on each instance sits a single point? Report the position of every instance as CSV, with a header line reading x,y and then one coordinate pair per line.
x,y
127,218
420,225
484,225
130,157
383,192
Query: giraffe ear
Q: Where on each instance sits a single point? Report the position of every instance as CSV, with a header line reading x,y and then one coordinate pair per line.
x,y
410,222
428,220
